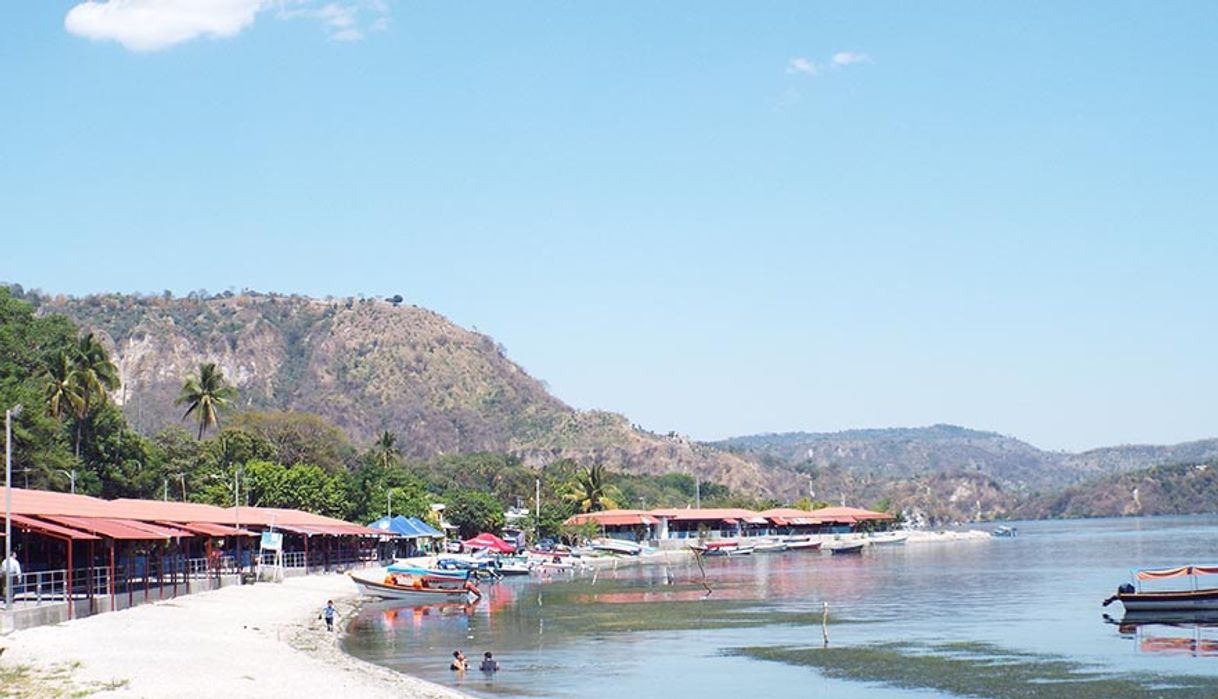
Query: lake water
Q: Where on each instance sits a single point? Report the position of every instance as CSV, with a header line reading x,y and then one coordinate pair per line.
x,y
907,621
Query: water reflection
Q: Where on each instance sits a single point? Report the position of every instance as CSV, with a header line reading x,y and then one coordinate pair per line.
x,y
602,636
1172,633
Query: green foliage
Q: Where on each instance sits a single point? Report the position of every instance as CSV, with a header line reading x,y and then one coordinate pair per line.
x,y
474,512
299,438
591,490
205,395
269,485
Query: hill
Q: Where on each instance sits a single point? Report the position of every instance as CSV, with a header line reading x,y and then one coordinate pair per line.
x,y
370,365
1162,490
902,453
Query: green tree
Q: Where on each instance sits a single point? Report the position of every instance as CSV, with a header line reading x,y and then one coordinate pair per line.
x,y
591,490
385,450
205,395
93,375
474,512
61,390
299,438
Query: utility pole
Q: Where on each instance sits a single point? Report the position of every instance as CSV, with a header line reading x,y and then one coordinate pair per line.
x,y
8,503
697,492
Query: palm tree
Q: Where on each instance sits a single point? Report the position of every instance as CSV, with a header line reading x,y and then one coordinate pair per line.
x,y
93,374
61,390
591,491
385,450
205,394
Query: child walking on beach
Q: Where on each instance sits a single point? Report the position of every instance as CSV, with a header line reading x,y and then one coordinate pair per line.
x,y
328,615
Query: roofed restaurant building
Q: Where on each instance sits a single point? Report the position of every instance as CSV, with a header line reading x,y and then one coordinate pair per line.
x,y
678,524
82,555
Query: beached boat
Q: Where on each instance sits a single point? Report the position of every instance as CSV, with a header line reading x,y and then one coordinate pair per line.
x,y
424,589
889,539
426,571
846,547
512,565
722,548
801,543
769,547
617,546
1194,599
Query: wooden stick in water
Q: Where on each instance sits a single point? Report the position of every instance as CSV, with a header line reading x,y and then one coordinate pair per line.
x,y
824,623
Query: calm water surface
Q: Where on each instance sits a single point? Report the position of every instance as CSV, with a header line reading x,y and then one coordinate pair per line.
x,y
643,631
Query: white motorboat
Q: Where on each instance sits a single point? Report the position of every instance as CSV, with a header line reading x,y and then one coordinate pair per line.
x,y
417,588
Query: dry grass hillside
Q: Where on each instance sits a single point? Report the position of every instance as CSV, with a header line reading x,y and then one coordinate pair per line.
x,y
369,365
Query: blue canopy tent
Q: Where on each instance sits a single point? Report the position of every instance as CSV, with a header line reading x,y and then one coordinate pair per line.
x,y
409,528
424,529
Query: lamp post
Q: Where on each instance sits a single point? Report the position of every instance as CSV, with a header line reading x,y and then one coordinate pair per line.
x,y
71,478
8,502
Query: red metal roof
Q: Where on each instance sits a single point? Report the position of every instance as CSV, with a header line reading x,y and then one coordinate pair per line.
x,y
44,502
848,515
52,530
46,505
613,518
109,528
694,514
209,529
166,511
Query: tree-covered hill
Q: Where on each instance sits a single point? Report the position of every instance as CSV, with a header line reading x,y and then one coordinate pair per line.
x,y
367,366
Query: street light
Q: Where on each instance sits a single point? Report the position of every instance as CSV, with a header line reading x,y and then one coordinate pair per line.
x,y
71,477
8,502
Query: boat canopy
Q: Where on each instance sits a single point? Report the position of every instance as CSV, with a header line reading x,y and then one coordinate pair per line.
x,y
1182,571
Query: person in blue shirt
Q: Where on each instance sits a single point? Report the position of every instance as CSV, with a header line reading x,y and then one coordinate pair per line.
x,y
328,615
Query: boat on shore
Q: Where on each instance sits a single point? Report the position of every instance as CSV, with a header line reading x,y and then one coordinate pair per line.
x,y
801,543
889,539
847,547
1135,598
417,588
617,546
770,547
722,548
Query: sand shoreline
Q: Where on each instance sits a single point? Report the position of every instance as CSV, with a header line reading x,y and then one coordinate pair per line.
x,y
263,640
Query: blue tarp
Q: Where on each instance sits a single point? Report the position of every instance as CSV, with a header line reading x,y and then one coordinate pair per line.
x,y
406,527
424,529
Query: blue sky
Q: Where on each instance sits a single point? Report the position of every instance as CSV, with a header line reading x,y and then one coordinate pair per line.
x,y
715,218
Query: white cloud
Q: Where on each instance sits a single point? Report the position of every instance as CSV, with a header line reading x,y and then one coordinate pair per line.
x,y
802,65
149,25
347,35
845,58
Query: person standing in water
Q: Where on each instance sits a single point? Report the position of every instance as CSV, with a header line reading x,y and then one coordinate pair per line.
x,y
489,664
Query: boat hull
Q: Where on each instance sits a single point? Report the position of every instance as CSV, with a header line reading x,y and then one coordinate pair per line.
x,y
894,540
846,549
1183,601
373,588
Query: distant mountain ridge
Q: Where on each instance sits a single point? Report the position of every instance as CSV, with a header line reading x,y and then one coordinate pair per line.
x,y
909,452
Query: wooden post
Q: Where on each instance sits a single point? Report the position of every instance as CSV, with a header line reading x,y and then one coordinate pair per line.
x,y
824,623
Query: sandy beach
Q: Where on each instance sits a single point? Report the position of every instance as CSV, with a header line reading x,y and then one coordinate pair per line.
x,y
262,640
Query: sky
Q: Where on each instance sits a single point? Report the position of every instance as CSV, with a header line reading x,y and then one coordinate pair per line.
x,y
716,218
